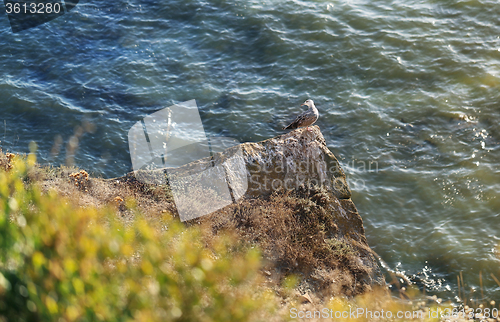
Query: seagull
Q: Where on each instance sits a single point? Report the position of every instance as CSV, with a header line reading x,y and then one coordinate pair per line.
x,y
305,119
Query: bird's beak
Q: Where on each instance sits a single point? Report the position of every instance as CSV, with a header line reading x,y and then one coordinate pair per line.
x,y
303,104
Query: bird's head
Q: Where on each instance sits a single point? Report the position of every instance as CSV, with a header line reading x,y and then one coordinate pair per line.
x,y
308,103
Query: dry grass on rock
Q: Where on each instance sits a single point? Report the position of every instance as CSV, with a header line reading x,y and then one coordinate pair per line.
x,y
299,236
88,191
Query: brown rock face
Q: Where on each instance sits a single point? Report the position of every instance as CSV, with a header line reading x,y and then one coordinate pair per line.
x,y
287,195
290,198
291,160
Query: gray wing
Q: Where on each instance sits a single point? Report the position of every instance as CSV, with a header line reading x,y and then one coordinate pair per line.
x,y
303,119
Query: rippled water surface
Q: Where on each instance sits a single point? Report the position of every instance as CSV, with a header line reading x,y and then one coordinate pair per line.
x,y
408,93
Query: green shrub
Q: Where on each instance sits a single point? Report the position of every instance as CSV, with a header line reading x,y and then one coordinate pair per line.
x,y
59,262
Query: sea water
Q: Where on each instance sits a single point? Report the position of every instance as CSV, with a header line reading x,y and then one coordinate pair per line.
x,y
408,94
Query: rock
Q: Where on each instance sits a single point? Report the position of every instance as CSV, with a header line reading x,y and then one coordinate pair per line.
x,y
289,196
291,160
298,158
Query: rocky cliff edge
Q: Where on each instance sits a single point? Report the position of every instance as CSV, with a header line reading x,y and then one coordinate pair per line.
x,y
286,195
290,198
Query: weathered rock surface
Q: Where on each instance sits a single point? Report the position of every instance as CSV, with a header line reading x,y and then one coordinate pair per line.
x,y
289,196
291,160
252,170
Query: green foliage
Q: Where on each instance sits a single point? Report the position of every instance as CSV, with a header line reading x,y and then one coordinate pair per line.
x,y
59,262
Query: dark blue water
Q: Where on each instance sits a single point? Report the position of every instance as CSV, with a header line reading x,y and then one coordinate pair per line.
x,y
408,96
